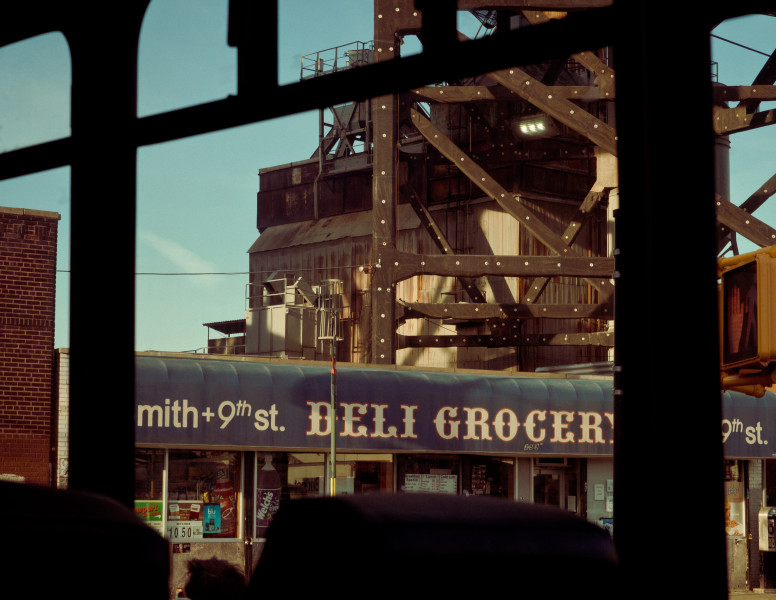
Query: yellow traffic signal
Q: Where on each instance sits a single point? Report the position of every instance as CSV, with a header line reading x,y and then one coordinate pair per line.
x,y
747,314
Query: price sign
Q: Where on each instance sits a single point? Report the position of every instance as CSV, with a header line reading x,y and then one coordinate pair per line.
x,y
184,521
181,531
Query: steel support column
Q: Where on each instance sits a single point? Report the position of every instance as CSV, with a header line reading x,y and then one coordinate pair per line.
x,y
390,18
656,255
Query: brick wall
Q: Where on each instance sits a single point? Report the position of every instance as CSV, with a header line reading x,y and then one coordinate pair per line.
x,y
28,253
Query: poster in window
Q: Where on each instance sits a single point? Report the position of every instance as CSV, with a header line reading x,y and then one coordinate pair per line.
x,y
211,519
223,494
150,512
734,508
184,520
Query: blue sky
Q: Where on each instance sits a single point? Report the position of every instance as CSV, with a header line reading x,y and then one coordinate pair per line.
x,y
197,197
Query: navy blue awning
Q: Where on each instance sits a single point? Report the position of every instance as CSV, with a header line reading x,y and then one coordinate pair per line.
x,y
199,402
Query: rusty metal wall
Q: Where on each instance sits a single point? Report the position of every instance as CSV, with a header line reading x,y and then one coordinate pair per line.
x,y
480,227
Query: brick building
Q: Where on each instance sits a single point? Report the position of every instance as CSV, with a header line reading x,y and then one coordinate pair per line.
x,y
28,254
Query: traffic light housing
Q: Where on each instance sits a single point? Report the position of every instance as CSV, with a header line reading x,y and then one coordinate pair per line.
x,y
747,314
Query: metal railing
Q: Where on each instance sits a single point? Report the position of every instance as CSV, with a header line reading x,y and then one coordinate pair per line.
x,y
338,58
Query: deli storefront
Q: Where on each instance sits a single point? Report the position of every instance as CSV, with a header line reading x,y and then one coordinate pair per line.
x,y
221,442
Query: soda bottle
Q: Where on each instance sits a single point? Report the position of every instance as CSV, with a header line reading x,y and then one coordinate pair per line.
x,y
267,495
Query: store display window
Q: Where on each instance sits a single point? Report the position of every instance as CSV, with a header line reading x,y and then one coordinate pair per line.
x,y
149,487
203,495
432,474
735,499
488,476
770,482
364,473
282,475
468,475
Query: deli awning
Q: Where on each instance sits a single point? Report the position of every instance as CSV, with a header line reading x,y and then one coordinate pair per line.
x,y
252,404
207,402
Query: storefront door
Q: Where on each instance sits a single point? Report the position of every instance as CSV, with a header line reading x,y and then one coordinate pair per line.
x,y
548,486
557,485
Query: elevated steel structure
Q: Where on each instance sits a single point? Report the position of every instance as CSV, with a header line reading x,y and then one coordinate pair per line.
x,y
644,36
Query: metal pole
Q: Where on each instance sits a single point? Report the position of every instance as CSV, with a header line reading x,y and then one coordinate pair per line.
x,y
333,410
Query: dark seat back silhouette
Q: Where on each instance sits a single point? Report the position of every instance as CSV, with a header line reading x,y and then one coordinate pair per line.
x,y
424,546
67,544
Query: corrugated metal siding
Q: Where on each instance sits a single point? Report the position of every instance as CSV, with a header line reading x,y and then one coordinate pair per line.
x,y
337,246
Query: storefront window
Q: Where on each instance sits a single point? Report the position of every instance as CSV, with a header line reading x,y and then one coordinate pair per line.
x,y
149,487
488,476
770,482
434,474
281,475
364,473
465,474
203,491
735,505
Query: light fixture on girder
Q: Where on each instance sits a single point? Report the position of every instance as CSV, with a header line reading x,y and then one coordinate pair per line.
x,y
534,126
